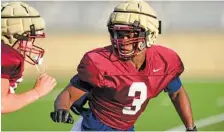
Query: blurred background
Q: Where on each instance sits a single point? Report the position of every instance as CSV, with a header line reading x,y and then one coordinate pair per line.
x,y
194,29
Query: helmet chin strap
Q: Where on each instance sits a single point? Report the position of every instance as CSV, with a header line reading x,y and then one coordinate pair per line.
x,y
40,67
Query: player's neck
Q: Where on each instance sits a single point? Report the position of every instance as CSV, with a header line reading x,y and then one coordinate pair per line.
x,y
139,60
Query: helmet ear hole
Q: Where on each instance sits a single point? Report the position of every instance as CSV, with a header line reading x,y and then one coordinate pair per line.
x,y
141,45
153,35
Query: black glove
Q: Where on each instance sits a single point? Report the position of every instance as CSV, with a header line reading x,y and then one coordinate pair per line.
x,y
62,115
191,129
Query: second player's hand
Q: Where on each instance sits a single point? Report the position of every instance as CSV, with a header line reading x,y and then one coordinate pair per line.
x,y
62,116
44,84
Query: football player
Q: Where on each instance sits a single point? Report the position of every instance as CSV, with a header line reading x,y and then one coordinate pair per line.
x,y
121,78
21,24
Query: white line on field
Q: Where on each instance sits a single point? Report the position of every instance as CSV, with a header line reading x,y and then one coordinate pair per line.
x,y
202,122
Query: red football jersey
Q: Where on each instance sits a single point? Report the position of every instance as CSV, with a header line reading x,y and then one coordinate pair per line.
x,y
12,65
121,92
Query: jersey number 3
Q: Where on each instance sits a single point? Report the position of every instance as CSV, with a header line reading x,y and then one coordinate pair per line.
x,y
136,87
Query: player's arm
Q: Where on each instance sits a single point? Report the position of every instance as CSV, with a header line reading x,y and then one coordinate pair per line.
x,y
79,84
181,101
67,97
73,95
88,76
11,102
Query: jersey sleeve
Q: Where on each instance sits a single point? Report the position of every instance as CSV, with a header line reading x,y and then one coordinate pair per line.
x,y
175,63
84,86
5,72
88,72
175,69
12,63
7,69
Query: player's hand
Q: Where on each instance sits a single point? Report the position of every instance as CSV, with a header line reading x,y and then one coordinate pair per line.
x,y
44,84
62,115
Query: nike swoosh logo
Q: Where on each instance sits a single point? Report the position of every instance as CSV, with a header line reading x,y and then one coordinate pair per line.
x,y
156,70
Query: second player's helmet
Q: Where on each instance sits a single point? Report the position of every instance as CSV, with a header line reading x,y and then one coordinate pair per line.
x,y
21,25
136,17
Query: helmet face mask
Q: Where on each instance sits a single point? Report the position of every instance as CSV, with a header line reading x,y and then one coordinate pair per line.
x,y
126,40
32,53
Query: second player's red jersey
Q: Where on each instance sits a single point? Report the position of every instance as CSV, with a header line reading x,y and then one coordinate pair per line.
x,y
121,92
12,65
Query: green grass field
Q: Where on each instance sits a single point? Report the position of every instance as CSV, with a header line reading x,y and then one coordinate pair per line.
x,y
207,100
